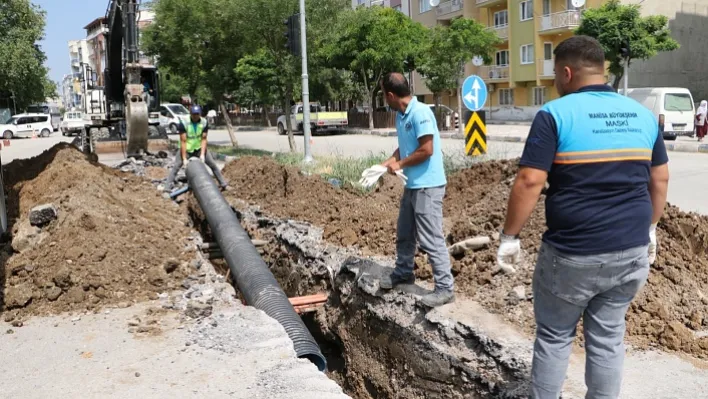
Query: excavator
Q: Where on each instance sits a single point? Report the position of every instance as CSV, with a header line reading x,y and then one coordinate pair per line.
x,y
118,116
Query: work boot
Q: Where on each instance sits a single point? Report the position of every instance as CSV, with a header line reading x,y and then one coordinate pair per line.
x,y
391,280
438,298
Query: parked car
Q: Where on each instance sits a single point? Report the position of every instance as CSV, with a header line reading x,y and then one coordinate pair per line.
x,y
171,115
27,125
673,108
444,109
51,110
73,123
319,121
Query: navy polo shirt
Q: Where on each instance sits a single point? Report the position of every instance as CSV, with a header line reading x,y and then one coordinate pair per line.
x,y
598,148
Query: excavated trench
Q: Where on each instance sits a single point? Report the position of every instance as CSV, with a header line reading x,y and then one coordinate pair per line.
x,y
378,345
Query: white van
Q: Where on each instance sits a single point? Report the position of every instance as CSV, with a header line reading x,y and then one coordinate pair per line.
x,y
51,110
27,125
672,106
171,115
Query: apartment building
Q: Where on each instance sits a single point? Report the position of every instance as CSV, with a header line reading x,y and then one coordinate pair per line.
x,y
520,77
400,5
96,39
78,54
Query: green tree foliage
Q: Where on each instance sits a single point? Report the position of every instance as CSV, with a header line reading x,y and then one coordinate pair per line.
x,y
614,23
449,49
371,41
197,41
22,71
260,83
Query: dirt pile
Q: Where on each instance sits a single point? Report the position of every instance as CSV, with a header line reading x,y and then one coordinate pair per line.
x,y
115,240
672,310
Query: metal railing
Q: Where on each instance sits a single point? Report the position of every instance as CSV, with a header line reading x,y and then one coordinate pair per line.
x,y
502,31
449,7
494,72
545,67
560,20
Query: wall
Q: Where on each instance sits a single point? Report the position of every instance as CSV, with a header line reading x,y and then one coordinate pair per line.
x,y
523,33
684,67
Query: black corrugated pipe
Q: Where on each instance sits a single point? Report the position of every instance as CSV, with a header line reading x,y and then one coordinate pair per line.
x,y
254,279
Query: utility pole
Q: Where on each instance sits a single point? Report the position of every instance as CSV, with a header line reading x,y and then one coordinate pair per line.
x,y
305,85
626,53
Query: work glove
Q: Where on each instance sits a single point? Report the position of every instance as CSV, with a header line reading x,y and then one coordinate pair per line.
x,y
652,244
509,254
372,175
201,158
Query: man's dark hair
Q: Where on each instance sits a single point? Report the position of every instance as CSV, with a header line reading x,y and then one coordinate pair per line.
x,y
396,83
580,52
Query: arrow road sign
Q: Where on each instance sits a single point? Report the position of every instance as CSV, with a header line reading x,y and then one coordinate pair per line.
x,y
474,93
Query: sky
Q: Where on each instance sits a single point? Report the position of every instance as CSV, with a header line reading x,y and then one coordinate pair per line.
x,y
65,21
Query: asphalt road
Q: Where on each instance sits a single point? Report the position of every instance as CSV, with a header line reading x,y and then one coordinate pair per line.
x,y
687,188
27,148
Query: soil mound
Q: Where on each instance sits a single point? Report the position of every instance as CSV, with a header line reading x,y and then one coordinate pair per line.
x,y
671,311
114,239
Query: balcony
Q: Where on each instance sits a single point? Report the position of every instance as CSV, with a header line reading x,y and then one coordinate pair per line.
x,y
450,9
545,69
489,3
560,22
494,73
502,31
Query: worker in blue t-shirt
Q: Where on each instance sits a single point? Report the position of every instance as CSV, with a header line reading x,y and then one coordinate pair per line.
x,y
420,218
607,169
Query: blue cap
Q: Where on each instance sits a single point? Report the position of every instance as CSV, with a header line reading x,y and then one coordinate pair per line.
x,y
195,110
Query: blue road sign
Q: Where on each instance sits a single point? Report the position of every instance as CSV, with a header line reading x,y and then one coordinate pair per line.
x,y
474,93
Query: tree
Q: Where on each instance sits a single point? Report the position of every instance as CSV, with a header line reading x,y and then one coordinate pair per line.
x,y
615,24
23,75
259,79
371,41
198,42
448,50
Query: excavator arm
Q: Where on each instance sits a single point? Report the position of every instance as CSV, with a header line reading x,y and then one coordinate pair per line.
x,y
123,87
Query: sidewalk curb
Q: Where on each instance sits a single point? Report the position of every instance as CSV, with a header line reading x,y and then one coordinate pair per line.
x,y
675,147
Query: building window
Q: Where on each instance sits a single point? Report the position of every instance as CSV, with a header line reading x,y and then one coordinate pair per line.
x,y
547,51
547,7
506,96
501,18
425,6
526,10
539,95
527,54
502,58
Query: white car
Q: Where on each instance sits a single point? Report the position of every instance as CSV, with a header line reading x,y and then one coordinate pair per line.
x,y
73,123
171,115
27,125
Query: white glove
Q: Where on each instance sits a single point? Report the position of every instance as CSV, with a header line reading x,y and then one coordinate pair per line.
x,y
509,254
372,175
652,244
201,157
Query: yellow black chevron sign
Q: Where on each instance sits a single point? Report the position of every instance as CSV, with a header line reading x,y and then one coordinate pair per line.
x,y
476,134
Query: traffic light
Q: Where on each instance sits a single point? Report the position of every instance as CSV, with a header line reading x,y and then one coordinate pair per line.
x,y
625,50
292,34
